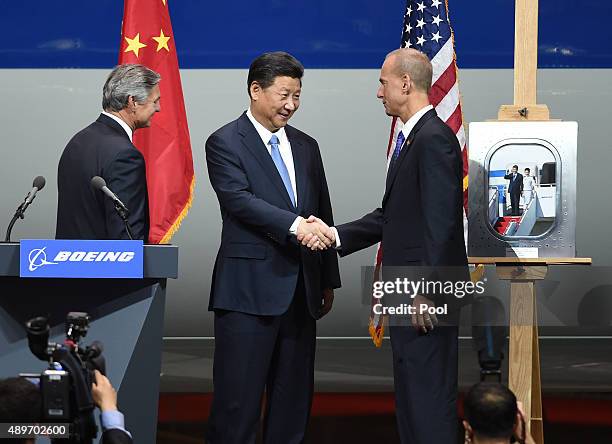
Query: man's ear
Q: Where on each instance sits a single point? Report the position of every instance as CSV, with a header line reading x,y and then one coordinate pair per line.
x,y
517,424
255,89
406,84
131,104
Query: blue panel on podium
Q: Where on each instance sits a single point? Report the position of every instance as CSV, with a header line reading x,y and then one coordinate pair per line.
x,y
44,258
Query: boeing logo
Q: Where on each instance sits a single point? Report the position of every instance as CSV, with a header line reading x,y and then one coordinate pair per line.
x,y
38,258
81,258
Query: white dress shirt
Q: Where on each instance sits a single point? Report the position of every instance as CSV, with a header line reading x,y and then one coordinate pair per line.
x,y
407,128
286,154
124,125
113,419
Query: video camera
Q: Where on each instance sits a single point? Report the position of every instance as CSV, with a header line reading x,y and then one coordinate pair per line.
x,y
66,385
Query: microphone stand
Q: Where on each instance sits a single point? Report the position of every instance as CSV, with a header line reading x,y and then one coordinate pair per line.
x,y
123,213
19,214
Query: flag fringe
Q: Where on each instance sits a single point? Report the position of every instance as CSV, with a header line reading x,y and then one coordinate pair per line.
x,y
377,333
477,273
177,223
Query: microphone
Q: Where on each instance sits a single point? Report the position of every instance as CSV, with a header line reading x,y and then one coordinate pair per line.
x,y
37,184
99,184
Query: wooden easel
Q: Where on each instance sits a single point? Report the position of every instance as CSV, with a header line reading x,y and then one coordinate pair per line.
x,y
525,105
524,360
524,357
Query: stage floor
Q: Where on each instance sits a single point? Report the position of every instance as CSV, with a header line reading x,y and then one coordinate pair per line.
x,y
354,390
569,364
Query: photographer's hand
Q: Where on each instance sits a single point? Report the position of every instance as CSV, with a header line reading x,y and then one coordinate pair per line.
x,y
520,429
104,394
105,397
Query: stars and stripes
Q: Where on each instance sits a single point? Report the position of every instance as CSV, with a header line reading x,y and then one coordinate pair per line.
x,y
427,28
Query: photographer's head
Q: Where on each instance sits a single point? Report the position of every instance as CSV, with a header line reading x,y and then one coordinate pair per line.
x,y
491,414
20,402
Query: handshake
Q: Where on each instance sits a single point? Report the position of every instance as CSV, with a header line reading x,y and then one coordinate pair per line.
x,y
315,234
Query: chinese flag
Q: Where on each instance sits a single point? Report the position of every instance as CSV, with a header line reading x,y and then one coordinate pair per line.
x,y
147,39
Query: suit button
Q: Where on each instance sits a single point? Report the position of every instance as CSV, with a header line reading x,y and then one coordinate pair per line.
x,y
385,220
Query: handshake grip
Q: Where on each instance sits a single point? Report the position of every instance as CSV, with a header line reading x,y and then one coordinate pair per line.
x,y
315,234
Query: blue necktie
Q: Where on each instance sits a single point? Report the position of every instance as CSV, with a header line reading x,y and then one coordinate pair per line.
x,y
281,167
398,148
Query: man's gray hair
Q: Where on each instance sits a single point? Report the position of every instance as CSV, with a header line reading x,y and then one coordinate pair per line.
x,y
414,63
125,81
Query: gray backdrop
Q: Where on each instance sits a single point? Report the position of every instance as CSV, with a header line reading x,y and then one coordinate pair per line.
x,y
42,109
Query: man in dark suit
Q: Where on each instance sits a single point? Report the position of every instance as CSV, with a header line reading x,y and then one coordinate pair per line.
x,y
267,290
420,225
515,189
130,99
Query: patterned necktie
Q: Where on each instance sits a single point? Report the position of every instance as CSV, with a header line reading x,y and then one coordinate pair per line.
x,y
398,148
281,167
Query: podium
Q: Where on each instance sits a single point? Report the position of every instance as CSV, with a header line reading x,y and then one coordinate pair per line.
x,y
127,316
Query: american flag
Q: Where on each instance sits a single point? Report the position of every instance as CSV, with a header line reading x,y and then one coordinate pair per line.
x,y
427,28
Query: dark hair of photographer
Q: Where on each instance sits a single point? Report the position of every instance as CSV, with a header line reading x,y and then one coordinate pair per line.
x,y
20,402
492,416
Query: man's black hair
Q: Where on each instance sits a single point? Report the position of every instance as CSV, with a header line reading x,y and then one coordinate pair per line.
x,y
265,68
491,409
20,402
515,166
527,169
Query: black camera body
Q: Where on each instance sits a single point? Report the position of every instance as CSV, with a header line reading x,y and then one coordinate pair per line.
x,y
65,385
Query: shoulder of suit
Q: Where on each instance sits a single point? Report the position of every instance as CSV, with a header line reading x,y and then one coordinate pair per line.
x,y
230,128
98,134
294,133
445,137
435,126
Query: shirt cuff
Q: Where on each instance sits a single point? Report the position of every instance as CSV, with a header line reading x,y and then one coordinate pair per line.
x,y
337,245
113,419
294,226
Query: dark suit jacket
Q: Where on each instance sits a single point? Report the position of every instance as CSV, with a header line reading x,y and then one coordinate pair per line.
x,y
420,222
258,263
516,185
102,149
116,436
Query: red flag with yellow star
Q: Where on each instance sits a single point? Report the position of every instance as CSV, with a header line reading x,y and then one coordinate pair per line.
x,y
147,39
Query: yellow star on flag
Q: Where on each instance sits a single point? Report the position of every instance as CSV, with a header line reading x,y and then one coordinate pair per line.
x,y
162,41
164,2
134,44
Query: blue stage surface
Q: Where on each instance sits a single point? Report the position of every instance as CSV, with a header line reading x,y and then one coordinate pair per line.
x,y
323,34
